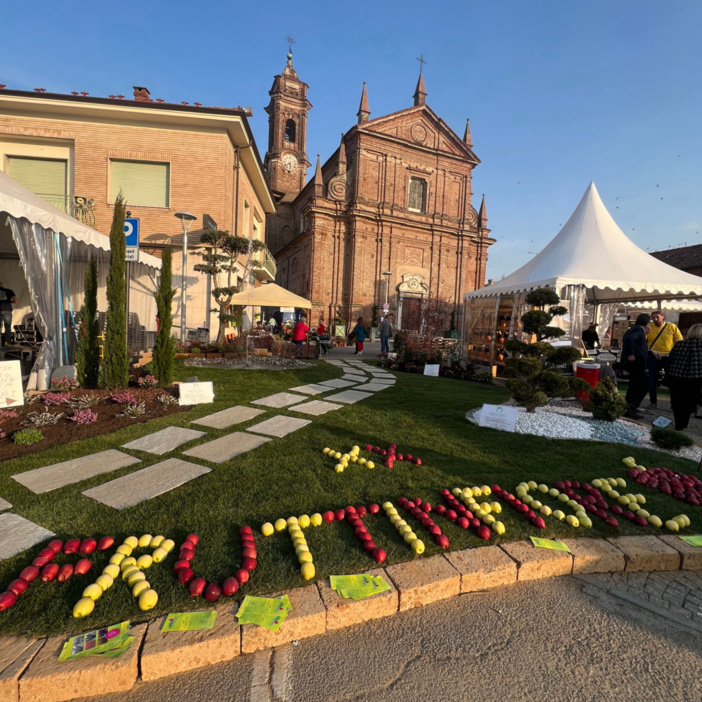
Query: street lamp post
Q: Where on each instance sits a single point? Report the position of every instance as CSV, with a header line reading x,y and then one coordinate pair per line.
x,y
186,221
387,275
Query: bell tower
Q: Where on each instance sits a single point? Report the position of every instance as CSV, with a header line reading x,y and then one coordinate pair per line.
x,y
286,159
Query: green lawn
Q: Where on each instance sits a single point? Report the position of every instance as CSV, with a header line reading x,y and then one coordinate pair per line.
x,y
290,476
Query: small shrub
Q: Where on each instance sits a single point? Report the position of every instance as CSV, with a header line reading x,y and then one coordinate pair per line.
x,y
64,383
84,401
195,349
84,416
42,419
483,377
148,381
605,402
133,411
55,398
27,437
166,400
124,398
670,439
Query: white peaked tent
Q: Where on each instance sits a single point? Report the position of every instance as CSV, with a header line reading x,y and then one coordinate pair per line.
x,y
593,266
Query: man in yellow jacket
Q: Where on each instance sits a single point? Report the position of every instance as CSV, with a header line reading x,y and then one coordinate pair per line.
x,y
661,339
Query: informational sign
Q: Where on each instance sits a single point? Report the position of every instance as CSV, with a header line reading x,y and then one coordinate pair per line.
x,y
209,223
288,310
549,544
661,422
11,394
131,255
605,358
196,393
432,369
498,417
131,232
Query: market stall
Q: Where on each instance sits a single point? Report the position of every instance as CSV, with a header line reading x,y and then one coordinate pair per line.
x,y
44,254
593,266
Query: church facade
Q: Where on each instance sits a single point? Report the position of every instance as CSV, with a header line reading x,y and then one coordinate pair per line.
x,y
388,216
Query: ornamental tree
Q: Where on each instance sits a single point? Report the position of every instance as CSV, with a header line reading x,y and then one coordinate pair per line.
x,y
164,348
88,353
220,261
538,321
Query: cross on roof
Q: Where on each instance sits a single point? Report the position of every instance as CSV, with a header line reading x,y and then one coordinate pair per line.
x,y
421,62
290,41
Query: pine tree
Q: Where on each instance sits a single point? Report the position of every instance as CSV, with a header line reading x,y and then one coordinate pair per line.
x,y
164,349
88,354
114,372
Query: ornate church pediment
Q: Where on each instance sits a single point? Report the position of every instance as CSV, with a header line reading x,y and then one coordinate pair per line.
x,y
413,283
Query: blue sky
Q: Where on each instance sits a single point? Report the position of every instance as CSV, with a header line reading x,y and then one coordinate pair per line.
x,y
558,93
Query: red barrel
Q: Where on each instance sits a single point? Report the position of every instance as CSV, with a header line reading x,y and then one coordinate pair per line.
x,y
590,373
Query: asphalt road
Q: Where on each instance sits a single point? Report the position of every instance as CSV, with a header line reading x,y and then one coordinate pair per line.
x,y
622,637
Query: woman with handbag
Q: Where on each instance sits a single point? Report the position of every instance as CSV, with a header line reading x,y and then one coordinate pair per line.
x,y
685,376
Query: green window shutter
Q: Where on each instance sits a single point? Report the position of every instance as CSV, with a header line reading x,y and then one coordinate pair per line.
x,y
142,182
42,176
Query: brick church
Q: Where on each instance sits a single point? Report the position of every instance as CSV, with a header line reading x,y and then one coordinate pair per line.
x,y
395,198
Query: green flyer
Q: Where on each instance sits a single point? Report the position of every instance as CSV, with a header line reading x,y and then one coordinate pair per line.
x,y
692,540
95,642
189,621
548,543
268,612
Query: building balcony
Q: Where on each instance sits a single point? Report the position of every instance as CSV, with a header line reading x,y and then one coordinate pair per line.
x,y
78,206
263,266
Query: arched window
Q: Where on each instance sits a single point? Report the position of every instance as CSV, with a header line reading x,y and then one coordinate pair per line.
x,y
417,195
290,131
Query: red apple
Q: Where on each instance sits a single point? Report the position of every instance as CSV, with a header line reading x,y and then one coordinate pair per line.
x,y
339,514
482,532
408,456
7,599
49,572
379,555
56,545
440,510
242,576
82,567
617,509
361,511
230,587
249,553
365,537
213,592
351,509
402,502
186,554
435,530
368,447
196,539
185,576
629,515
611,521
249,564
197,586
400,457
640,521
88,546
444,493
18,586
451,515
244,530
187,545
601,513
529,514
373,508
426,507
105,543
40,561
417,461
71,546
463,523
248,543
369,546
183,564
65,572
30,573
538,522
474,522
328,516
48,553
442,541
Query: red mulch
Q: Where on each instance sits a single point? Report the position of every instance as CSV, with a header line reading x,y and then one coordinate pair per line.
x,y
65,430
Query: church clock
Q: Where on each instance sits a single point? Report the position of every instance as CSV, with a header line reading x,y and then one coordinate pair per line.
x,y
290,162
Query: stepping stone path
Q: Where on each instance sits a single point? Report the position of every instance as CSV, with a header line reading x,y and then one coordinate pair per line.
x,y
279,426
311,389
145,484
337,383
18,534
226,447
373,387
315,408
280,399
352,378
228,417
164,441
4,504
349,397
61,474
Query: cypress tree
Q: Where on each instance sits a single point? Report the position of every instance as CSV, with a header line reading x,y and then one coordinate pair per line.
x,y
114,372
88,354
164,349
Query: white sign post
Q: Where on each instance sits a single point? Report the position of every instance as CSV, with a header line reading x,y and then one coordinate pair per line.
x,y
498,417
432,369
196,393
11,394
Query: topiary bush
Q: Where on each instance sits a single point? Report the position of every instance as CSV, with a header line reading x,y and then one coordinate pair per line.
x,y
670,439
27,437
605,402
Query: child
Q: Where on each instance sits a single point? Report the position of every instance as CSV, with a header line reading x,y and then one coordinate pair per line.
x,y
359,333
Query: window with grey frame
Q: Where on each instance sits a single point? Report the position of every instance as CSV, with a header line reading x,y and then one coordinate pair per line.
x,y
417,195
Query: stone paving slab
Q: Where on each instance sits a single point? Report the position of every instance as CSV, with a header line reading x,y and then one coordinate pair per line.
x,y
483,568
228,417
349,397
164,441
595,556
145,484
280,399
226,447
311,389
308,618
4,504
373,387
174,652
74,471
646,553
18,534
534,563
337,383
315,408
343,612
47,680
691,556
424,580
279,426
353,378
16,653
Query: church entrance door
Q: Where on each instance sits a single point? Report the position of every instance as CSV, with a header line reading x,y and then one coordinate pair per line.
x,y
411,313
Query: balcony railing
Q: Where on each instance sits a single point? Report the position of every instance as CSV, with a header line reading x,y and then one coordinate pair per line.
x,y
264,267
78,206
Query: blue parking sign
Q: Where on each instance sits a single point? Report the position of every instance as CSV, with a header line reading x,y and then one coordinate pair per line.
x,y
131,232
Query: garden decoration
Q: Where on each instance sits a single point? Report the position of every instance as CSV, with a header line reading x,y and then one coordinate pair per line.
x,y
390,455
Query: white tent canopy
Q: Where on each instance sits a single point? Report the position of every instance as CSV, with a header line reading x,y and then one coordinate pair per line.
x,y
592,251
270,295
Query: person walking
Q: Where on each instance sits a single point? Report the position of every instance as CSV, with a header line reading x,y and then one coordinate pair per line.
x,y
590,337
684,376
661,340
7,299
299,335
359,334
634,355
385,334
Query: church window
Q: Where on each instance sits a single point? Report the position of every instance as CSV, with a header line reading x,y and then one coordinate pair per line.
x,y
290,131
417,195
